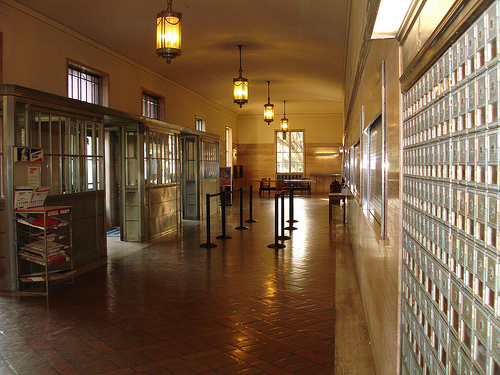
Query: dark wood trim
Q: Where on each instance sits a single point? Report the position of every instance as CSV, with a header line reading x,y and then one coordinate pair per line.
x,y
112,117
461,15
1,58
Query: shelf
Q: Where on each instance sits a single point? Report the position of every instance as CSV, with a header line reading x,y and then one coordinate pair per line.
x,y
53,276
44,247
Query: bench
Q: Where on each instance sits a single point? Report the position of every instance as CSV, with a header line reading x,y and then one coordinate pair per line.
x,y
265,185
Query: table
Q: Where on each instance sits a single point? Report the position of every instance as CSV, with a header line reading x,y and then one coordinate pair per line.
x,y
322,176
299,182
337,197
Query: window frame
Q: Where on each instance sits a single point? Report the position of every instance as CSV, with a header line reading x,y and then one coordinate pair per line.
x,y
161,155
277,137
73,147
160,104
102,83
200,124
209,158
374,169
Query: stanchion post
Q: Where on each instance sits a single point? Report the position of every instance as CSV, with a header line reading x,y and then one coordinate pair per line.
x,y
241,226
283,237
223,236
290,214
276,245
292,195
208,244
250,209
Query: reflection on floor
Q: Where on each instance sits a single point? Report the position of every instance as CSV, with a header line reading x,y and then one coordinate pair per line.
x,y
172,307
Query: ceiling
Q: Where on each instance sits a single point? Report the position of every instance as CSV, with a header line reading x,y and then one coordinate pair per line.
x,y
299,45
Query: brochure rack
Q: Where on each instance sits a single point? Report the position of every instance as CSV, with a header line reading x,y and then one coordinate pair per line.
x,y
44,248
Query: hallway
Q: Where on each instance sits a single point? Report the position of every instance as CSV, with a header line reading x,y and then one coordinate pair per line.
x,y
172,307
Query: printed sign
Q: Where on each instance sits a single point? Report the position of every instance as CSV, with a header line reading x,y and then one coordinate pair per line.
x,y
36,154
225,176
28,154
22,154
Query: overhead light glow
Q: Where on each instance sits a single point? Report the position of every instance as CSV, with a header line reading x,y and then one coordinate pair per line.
x,y
390,16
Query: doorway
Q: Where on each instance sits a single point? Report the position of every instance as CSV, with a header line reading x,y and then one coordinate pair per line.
x,y
124,182
190,178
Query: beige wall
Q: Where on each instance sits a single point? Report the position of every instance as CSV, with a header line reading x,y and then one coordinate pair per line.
x,y
378,262
35,55
36,51
322,133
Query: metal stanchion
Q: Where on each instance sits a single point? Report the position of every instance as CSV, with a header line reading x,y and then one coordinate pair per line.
x,y
223,236
283,237
241,226
250,209
208,244
276,245
291,220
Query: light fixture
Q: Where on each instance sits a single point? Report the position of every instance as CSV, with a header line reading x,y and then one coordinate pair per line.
x,y
240,86
284,122
390,16
268,108
168,33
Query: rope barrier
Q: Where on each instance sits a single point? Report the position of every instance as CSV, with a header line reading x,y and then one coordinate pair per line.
x,y
223,236
291,220
241,226
283,237
251,219
276,244
223,195
208,244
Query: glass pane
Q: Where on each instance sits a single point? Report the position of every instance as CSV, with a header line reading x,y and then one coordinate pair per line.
x,y
100,173
131,166
55,134
99,138
33,129
131,145
45,172
66,178
45,128
64,145
20,127
56,175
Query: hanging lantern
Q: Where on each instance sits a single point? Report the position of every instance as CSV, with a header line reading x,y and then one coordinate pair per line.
x,y
268,108
284,122
168,33
240,86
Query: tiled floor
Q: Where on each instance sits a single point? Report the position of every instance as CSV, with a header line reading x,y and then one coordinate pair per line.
x,y
173,307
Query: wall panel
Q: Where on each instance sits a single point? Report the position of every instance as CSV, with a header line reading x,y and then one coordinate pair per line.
x,y
450,208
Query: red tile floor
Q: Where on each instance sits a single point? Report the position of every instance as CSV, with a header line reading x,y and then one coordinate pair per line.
x,y
172,307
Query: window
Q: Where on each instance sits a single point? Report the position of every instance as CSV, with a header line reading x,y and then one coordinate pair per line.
x,y
153,105
375,169
209,159
83,85
73,148
229,147
149,106
200,124
162,158
290,152
354,158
